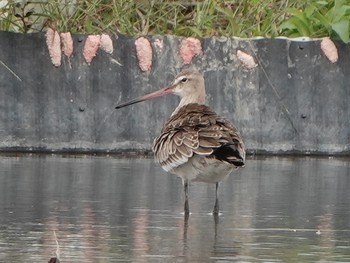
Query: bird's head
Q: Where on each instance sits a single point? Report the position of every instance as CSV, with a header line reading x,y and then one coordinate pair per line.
x,y
188,84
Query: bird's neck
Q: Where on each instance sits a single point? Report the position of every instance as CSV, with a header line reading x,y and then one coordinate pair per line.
x,y
198,98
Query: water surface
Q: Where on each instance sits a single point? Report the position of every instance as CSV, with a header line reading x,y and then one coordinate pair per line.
x,y
106,209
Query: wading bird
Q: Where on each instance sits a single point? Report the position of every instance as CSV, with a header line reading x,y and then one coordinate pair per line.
x,y
195,143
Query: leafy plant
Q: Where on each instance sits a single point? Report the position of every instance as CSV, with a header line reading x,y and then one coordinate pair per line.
x,y
201,18
16,16
320,18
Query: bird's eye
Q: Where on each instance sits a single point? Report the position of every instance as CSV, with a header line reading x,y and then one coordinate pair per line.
x,y
184,79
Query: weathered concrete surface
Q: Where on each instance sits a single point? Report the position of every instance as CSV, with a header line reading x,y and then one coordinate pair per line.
x,y
295,101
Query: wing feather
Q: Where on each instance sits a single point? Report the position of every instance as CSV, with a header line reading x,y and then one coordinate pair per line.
x,y
195,129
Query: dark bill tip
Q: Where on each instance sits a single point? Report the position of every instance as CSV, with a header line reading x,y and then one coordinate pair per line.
x,y
158,93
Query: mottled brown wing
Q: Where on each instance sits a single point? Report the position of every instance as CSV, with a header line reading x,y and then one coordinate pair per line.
x,y
195,129
232,149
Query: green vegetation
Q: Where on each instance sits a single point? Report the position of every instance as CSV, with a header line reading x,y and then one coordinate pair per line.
x,y
243,18
320,18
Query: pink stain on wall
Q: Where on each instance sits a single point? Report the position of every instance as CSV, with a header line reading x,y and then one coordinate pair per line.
x,y
106,43
329,49
90,48
246,60
190,47
144,53
67,44
53,43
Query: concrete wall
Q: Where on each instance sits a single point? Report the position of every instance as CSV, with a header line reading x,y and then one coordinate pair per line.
x,y
294,101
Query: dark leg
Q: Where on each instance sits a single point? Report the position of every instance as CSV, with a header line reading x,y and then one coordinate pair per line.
x,y
185,244
216,206
216,223
186,206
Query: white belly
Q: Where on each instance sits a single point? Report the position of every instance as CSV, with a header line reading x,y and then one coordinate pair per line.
x,y
201,169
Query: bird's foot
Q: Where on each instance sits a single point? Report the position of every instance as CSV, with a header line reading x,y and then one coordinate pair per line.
x,y
186,208
216,208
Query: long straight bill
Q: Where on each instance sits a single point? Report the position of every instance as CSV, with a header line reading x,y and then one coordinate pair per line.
x,y
158,93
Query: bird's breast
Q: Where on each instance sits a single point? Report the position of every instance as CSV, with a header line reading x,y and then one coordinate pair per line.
x,y
202,169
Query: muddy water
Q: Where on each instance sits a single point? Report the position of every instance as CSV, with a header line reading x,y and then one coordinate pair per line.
x,y
105,209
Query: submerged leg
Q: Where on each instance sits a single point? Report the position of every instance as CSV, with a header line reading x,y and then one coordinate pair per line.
x,y
216,206
186,206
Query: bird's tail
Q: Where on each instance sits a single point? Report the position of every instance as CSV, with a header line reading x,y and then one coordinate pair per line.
x,y
233,153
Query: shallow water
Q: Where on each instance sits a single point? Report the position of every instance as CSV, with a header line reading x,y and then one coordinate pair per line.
x,y
105,209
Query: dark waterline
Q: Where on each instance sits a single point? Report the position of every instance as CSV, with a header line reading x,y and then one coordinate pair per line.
x,y
106,209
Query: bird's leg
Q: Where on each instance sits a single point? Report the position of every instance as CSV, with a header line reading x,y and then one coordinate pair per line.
x,y
186,206
216,206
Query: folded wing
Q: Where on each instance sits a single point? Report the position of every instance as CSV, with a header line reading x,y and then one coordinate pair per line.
x,y
197,130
